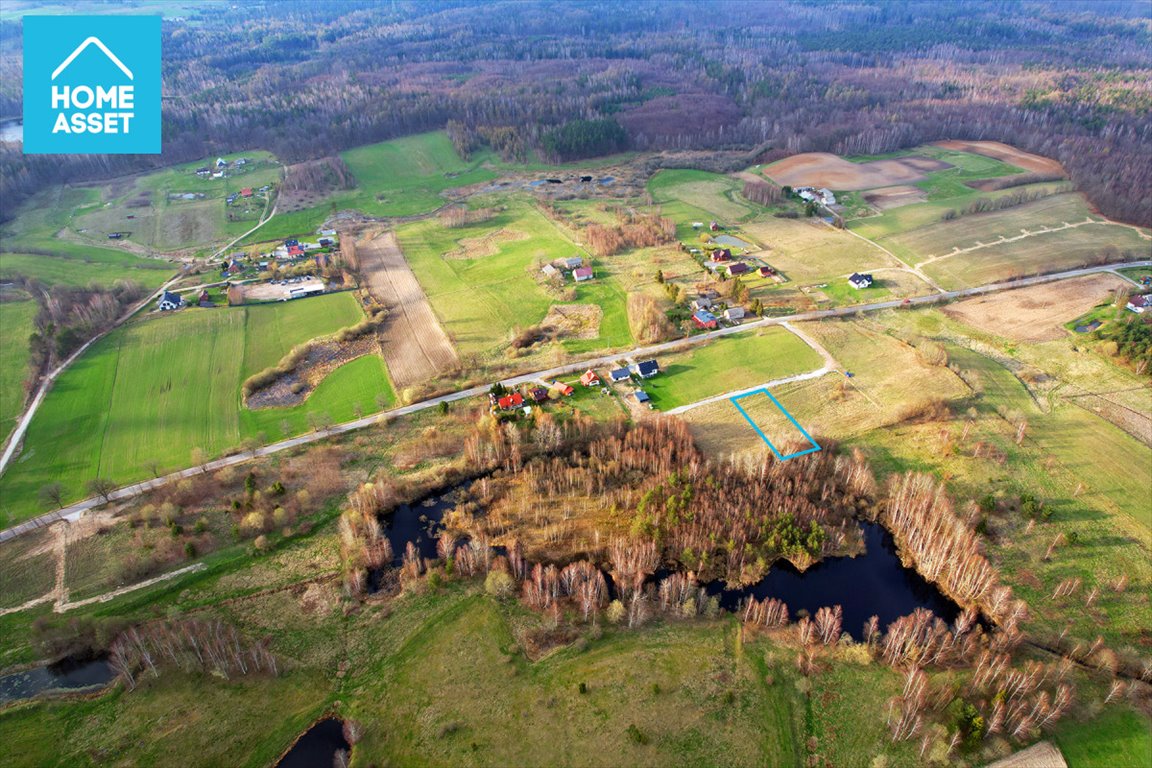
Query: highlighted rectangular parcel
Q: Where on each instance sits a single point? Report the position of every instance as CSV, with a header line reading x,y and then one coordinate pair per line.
x,y
747,417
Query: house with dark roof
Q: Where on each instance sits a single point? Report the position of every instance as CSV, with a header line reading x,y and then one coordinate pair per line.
x,y
619,375
582,274
704,319
702,302
538,394
646,369
204,300
169,301
738,268
721,255
1140,304
590,379
767,271
642,396
573,262
858,280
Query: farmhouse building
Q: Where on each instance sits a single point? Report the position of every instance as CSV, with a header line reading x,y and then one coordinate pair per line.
x,y
702,302
646,369
860,281
738,268
590,379
169,301
582,274
827,197
704,319
204,300
734,313
618,375
508,402
1140,304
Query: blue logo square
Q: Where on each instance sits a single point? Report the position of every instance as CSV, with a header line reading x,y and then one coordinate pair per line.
x,y
91,85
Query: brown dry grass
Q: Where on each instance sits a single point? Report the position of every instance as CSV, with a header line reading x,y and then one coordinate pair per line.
x,y
485,245
822,169
894,197
1007,154
416,348
1036,313
1041,755
574,321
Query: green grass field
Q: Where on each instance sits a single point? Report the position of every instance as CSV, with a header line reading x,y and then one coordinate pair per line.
x,y
482,300
686,196
808,250
733,362
150,393
15,327
1118,737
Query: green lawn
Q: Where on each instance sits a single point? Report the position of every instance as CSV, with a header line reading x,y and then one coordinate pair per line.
x,y
144,397
85,269
482,300
1117,737
733,362
15,327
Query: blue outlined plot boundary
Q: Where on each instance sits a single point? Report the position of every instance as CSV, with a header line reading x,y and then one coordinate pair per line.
x,y
763,390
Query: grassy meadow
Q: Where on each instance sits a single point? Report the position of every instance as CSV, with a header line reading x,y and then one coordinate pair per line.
x,y
482,300
16,316
729,363
149,394
688,196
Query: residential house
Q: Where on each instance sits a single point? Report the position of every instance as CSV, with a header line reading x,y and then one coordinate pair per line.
x,y
325,242
582,274
697,224
827,197
704,319
701,302
619,375
734,314
169,301
202,172
646,369
565,389
295,251
234,267
721,255
204,300
218,175
807,194
713,226
738,268
508,402
642,396
539,394
327,232
1140,304
590,379
858,280
767,272
221,163
574,262
246,192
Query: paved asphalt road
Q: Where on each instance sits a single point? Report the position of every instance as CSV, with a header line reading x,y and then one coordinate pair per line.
x,y
73,511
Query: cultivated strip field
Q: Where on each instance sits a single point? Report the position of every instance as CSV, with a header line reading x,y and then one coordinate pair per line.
x,y
1005,153
415,346
1036,313
821,169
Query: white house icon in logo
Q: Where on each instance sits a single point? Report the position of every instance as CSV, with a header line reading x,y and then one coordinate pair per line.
x,y
84,46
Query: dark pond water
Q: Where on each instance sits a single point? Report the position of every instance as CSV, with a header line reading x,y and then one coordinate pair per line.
x,y
317,747
1088,328
418,523
872,584
63,676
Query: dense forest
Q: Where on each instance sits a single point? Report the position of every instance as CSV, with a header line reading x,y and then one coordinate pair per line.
x,y
1069,80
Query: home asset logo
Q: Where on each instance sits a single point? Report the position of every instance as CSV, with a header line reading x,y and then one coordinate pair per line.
x,y
91,85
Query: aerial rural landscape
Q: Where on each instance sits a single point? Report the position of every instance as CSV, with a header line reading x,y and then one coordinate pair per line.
x,y
504,383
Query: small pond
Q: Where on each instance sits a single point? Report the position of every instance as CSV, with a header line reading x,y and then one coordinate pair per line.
x,y
318,746
732,242
607,180
1088,328
873,584
418,523
64,676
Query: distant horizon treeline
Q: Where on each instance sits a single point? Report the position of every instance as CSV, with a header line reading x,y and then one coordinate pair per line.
x,y
574,80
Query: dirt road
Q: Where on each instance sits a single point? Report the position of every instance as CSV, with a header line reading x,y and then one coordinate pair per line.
x,y
415,346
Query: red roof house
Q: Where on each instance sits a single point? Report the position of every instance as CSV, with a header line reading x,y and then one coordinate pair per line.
x,y
246,192
295,250
514,400
722,254
565,389
767,271
582,274
590,379
737,268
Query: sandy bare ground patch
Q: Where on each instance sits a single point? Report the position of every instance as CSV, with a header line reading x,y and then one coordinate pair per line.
x,y
485,245
415,346
894,197
573,321
322,359
1007,154
822,169
1035,313
270,292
